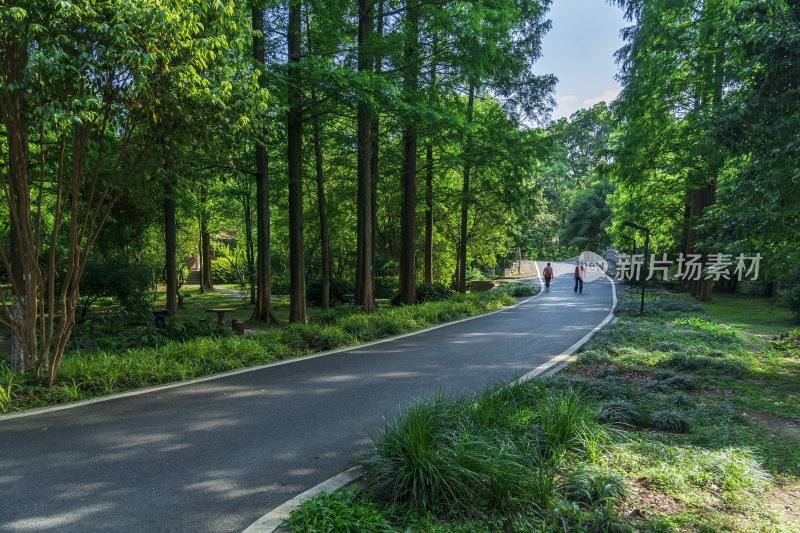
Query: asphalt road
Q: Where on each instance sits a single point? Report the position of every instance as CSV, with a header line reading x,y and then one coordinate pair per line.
x,y
216,455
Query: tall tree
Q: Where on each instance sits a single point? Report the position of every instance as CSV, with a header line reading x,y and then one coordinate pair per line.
x,y
297,291
365,296
408,228
262,311
92,112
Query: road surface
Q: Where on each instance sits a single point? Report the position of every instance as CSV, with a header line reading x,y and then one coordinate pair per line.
x,y
216,455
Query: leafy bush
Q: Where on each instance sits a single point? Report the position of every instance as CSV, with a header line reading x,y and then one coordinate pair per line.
x,y
336,292
341,511
591,487
433,292
130,284
669,421
517,290
386,286
426,292
791,296
222,271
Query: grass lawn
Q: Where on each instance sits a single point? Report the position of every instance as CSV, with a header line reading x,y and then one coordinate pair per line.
x,y
683,420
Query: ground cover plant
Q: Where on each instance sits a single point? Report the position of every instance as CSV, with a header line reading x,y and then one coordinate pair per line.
x,y
661,425
105,358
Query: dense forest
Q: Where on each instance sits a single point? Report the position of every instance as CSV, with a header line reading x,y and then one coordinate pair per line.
x,y
370,146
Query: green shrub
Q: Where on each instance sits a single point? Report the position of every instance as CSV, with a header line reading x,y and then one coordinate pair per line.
x,y
433,292
222,271
591,487
336,292
517,290
386,286
669,421
130,284
337,512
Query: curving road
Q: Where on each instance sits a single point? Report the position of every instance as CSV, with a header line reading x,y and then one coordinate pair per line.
x,y
214,456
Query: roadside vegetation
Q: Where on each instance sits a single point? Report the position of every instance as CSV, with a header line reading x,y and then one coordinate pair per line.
x,y
113,354
675,421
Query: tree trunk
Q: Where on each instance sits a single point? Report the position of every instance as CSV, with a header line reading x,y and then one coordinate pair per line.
x,y
171,269
364,283
374,174
206,278
429,215
408,212
429,187
16,125
462,276
249,251
17,346
297,289
262,311
323,219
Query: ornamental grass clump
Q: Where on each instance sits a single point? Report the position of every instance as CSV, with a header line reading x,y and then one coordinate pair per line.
x,y
593,487
671,421
621,413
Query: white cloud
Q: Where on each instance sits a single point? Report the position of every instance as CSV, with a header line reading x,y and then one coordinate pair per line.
x,y
567,99
607,96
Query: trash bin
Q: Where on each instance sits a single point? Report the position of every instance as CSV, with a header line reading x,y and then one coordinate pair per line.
x,y
161,320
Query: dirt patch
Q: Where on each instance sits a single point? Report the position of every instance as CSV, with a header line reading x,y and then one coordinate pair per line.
x,y
643,502
773,423
784,500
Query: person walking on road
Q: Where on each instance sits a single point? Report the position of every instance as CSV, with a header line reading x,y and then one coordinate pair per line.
x,y
580,272
548,275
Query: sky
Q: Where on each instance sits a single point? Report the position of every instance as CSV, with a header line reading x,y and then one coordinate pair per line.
x,y
579,50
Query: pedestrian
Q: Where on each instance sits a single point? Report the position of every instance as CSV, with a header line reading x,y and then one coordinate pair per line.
x,y
580,272
548,275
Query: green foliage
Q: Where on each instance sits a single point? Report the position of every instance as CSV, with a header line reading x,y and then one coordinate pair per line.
x,y
433,292
669,421
622,413
334,512
589,216
337,290
517,290
222,271
130,284
386,286
500,448
592,487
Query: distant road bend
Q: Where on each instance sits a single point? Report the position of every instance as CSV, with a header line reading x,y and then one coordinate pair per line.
x,y
214,456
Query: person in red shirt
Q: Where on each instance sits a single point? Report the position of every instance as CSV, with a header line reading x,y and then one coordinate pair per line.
x,y
548,275
580,272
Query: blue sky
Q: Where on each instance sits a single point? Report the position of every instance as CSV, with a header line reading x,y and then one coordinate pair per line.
x,y
579,50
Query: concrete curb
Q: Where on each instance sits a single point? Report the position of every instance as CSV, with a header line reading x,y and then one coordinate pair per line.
x,y
272,521
156,388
